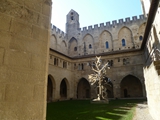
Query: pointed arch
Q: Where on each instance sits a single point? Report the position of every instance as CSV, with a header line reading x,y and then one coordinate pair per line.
x,y
64,43
141,31
105,36
73,43
50,88
126,34
83,89
64,89
64,47
89,44
142,28
131,86
53,42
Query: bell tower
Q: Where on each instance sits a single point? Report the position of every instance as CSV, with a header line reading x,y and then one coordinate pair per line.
x,y
145,6
72,24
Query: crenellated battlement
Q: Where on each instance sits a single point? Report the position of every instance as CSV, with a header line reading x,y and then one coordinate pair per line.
x,y
109,24
58,32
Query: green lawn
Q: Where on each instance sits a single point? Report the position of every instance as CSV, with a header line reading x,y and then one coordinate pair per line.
x,y
84,110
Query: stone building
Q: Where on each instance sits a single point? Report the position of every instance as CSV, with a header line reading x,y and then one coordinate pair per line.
x,y
132,46
72,54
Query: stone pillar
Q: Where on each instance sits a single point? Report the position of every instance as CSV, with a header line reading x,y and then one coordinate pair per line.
x,y
24,42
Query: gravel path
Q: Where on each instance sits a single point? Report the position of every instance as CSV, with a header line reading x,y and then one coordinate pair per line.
x,y
142,112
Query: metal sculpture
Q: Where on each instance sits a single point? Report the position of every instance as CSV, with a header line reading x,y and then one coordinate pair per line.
x,y
99,78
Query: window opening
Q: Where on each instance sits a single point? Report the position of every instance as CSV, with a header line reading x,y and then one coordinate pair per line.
x,y
123,42
107,45
90,46
140,38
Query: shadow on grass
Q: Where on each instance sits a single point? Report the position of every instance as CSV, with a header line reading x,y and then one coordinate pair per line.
x,y
84,110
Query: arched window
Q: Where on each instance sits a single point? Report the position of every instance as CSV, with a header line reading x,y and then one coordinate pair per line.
x,y
140,38
107,45
82,66
55,61
75,48
90,46
123,42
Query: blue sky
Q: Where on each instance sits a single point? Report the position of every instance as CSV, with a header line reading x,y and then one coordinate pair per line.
x,y
94,11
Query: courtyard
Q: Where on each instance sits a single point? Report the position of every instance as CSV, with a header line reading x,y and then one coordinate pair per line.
x,y
85,110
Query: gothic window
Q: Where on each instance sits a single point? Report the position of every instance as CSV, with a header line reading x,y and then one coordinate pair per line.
x,y
140,38
79,66
64,64
123,42
107,45
75,48
82,66
118,59
90,46
55,61
124,61
111,62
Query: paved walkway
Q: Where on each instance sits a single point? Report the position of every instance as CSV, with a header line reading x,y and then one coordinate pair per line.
x,y
142,112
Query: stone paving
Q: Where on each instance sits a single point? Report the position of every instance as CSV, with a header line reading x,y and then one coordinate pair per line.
x,y
142,112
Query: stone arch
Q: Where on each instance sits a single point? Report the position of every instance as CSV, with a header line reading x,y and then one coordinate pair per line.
x,y
64,89
83,89
53,42
126,34
73,43
141,29
131,86
88,41
64,47
105,36
50,88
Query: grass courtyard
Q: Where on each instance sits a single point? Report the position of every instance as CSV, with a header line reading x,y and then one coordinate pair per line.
x,y
84,110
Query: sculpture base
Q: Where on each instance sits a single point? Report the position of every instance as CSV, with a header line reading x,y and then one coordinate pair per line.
x,y
97,101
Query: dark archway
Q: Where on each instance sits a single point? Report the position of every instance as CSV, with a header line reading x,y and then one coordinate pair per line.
x,y
131,86
49,89
63,89
83,89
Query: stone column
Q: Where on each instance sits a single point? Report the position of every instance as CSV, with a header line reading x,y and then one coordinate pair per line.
x,y
24,42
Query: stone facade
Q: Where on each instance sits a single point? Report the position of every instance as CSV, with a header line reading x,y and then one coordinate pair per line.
x,y
151,66
72,53
24,56
24,42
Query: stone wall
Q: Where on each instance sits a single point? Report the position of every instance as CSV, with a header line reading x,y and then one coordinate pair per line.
x,y
24,43
151,69
92,40
152,83
124,64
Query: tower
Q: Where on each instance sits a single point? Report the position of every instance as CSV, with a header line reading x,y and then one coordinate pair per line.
x,y
72,24
145,6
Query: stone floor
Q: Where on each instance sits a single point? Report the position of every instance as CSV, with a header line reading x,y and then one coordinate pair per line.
x,y
142,112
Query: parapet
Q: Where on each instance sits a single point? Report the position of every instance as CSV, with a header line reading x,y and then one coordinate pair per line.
x,y
58,32
109,24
